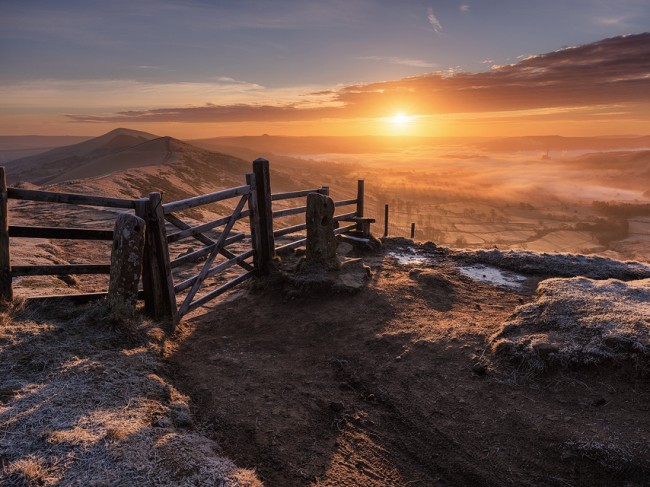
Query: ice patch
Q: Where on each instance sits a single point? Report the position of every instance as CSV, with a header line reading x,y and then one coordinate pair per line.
x,y
409,257
493,275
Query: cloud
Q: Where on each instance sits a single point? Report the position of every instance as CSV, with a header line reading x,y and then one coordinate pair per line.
x,y
610,73
416,63
437,27
613,21
464,8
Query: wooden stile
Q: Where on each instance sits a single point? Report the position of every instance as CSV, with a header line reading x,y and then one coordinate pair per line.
x,y
6,289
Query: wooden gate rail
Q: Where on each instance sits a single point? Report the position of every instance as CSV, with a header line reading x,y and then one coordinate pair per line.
x,y
205,199
214,270
178,223
197,254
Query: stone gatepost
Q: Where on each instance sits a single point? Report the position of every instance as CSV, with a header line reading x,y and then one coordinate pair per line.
x,y
321,241
126,265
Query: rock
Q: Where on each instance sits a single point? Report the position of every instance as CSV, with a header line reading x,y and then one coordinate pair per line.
x,y
544,349
344,248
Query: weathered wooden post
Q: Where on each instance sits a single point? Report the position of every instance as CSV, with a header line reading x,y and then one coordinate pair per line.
x,y
253,218
6,289
385,221
159,294
321,242
412,230
360,202
126,265
264,230
324,190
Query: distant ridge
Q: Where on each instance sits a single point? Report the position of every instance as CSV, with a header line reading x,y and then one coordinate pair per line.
x,y
373,144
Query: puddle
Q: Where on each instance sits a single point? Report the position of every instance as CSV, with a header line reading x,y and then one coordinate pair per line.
x,y
493,275
409,257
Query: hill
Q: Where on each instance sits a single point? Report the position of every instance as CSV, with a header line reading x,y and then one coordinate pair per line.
x,y
53,164
133,163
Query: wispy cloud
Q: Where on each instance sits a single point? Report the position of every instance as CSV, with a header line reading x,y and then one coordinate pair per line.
x,y
435,24
416,63
464,8
619,21
611,72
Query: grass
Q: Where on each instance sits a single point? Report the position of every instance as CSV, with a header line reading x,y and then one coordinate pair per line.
x,y
84,401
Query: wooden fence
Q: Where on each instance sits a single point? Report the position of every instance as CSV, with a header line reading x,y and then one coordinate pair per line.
x,y
159,289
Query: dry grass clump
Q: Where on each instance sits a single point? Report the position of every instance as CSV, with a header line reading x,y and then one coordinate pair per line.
x,y
581,322
560,265
83,401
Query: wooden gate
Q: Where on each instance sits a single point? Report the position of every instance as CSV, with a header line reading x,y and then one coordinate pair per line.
x,y
162,266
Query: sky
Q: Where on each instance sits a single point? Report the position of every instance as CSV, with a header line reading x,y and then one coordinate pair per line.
x,y
195,69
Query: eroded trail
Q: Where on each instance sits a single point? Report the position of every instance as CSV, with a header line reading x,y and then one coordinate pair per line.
x,y
379,388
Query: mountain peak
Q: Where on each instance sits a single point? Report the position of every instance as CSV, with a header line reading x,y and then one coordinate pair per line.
x,y
130,133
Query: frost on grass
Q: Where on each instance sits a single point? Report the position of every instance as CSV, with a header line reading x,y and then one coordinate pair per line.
x,y
84,403
560,265
580,321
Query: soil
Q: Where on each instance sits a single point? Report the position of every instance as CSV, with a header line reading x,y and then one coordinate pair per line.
x,y
396,385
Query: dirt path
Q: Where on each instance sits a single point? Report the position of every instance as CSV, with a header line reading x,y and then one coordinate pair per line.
x,y
379,388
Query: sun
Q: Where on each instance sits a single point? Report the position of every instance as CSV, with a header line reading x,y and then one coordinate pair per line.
x,y
400,119
400,123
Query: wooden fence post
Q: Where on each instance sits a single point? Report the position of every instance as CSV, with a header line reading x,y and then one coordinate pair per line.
x,y
360,201
6,289
253,218
385,221
126,265
264,230
159,294
325,190
412,230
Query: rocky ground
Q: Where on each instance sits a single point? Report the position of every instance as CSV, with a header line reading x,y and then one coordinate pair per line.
x,y
398,384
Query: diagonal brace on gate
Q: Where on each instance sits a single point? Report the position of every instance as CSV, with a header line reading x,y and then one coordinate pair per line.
x,y
213,254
